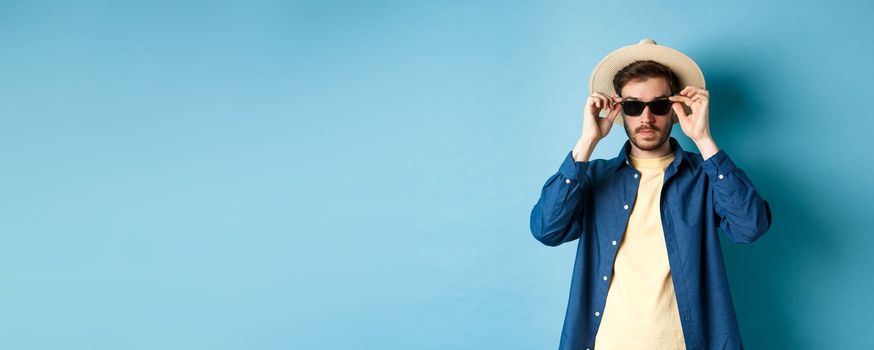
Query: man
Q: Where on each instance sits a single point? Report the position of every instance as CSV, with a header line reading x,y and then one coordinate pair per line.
x,y
649,272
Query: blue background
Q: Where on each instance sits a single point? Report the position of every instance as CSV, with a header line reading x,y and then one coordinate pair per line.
x,y
345,174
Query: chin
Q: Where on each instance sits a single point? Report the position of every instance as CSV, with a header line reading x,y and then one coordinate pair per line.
x,y
649,144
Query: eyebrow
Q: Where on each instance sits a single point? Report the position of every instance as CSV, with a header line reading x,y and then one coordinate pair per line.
x,y
637,99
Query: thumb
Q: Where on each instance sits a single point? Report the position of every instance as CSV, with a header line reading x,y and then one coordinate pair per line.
x,y
678,107
613,112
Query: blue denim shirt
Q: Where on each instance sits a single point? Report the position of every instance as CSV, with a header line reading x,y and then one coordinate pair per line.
x,y
592,201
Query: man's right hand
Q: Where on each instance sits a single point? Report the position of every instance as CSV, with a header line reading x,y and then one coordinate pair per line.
x,y
596,128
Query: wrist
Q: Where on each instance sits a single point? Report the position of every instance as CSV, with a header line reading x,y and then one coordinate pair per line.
x,y
706,146
703,138
583,149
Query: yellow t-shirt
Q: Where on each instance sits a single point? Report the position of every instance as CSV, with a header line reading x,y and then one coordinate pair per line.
x,y
641,309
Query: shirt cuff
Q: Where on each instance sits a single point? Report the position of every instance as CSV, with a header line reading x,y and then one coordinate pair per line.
x,y
718,165
571,169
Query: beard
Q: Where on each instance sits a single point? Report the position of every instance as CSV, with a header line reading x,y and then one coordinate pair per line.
x,y
647,143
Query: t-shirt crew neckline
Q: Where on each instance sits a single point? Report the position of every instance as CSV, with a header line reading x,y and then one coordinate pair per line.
x,y
651,163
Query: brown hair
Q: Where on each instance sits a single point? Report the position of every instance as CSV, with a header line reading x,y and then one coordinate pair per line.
x,y
640,70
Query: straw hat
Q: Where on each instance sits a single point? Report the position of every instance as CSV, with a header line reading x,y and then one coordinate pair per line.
x,y
683,67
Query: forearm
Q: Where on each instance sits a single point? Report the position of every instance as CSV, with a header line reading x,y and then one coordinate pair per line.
x,y
744,214
552,218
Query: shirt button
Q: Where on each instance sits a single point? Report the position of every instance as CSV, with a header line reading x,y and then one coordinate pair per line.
x,y
614,242
720,176
635,176
567,181
605,277
597,314
625,206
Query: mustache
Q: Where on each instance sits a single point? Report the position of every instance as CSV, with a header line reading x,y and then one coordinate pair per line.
x,y
642,128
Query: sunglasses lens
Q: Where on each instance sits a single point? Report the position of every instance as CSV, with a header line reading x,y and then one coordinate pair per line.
x,y
660,107
632,108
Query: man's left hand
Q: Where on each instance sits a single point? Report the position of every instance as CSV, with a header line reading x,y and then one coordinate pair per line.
x,y
697,124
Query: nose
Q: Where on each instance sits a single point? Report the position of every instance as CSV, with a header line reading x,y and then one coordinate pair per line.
x,y
647,115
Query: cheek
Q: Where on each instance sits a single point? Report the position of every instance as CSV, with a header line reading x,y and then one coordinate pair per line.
x,y
666,125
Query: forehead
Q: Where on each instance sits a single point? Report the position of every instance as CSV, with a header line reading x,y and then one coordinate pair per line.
x,y
646,89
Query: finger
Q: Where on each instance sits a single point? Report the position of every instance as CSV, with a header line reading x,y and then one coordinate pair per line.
x,y
682,99
594,106
613,99
612,115
599,97
588,116
606,100
594,101
616,99
697,92
690,91
614,111
678,108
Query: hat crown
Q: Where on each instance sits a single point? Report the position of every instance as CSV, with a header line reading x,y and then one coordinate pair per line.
x,y
647,41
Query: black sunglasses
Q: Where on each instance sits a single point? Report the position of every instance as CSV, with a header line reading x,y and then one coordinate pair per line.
x,y
633,108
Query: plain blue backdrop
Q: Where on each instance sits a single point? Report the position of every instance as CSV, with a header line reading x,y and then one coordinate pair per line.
x,y
360,174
